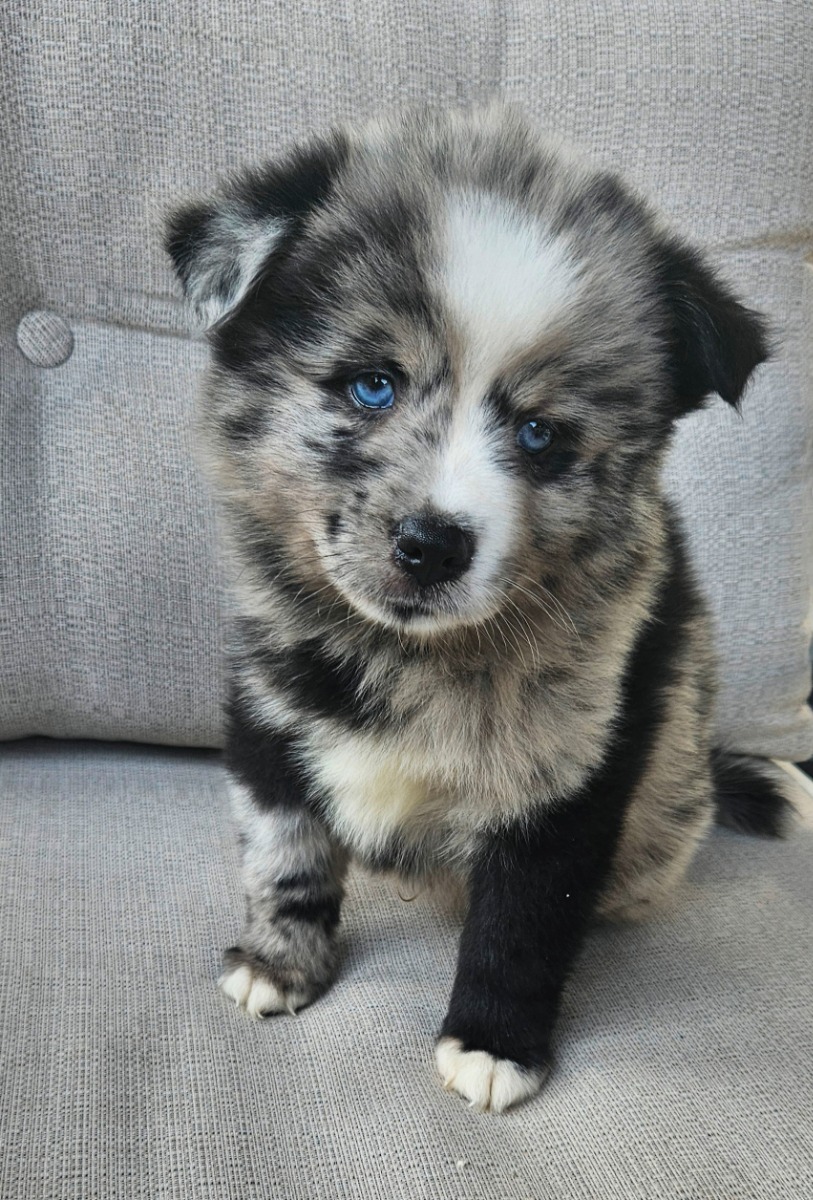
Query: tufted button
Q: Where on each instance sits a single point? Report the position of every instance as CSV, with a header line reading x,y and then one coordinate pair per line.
x,y
44,338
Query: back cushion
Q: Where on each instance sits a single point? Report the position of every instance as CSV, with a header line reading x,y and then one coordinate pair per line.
x,y
113,604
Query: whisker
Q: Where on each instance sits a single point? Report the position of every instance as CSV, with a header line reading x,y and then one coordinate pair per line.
x,y
538,598
525,630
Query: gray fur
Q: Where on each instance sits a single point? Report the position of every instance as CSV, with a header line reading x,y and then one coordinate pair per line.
x,y
287,857
502,696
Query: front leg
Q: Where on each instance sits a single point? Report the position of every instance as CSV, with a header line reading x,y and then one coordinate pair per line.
x,y
533,888
293,877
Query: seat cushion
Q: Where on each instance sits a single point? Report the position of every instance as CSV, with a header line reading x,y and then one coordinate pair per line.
x,y
682,1056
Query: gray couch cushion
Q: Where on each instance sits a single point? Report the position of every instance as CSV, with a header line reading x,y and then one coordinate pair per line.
x,y
111,595
113,599
683,1055
743,485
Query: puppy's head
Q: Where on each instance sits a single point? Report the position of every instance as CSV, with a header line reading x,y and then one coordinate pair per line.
x,y
447,358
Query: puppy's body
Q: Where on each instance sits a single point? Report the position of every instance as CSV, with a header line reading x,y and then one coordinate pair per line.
x,y
413,751
447,359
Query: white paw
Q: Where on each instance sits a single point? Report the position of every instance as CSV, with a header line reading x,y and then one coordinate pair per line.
x,y
257,994
489,1084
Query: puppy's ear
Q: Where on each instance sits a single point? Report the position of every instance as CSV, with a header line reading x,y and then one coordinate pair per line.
x,y
714,341
220,246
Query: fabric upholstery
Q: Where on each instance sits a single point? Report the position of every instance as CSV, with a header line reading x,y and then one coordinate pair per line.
x,y
111,610
683,1055
109,560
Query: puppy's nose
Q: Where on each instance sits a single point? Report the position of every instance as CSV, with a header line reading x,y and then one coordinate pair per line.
x,y
432,550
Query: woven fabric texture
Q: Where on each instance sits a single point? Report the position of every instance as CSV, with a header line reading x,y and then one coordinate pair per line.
x,y
108,551
109,616
683,1055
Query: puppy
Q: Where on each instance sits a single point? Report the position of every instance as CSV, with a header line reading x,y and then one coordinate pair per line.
x,y
446,361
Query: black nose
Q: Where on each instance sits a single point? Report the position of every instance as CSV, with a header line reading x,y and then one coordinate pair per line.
x,y
432,550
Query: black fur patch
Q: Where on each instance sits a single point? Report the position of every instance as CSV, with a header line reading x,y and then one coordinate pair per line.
x,y
498,402
185,236
324,910
322,685
604,199
714,341
748,800
299,881
299,183
651,668
289,189
345,458
531,895
552,464
246,425
264,760
261,546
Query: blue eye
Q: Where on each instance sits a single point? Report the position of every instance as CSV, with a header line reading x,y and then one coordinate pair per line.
x,y
534,436
373,390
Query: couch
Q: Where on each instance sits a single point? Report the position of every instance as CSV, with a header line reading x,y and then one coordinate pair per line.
x,y
683,1063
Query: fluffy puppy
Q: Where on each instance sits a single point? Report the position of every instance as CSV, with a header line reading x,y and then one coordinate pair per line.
x,y
446,361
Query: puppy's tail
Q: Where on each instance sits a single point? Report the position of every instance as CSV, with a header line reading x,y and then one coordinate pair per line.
x,y
749,798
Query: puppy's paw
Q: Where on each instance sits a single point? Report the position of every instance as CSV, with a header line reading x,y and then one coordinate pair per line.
x,y
489,1084
254,989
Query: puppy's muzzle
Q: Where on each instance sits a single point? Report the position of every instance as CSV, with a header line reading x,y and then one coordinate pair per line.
x,y
432,550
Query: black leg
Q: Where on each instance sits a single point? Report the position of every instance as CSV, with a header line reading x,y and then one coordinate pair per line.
x,y
533,889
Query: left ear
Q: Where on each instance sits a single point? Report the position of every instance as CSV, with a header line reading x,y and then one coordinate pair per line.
x,y
714,341
220,245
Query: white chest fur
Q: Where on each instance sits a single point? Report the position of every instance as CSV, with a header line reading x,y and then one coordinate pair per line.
x,y
375,791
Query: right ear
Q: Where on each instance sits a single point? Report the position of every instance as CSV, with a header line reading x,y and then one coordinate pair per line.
x,y
714,342
219,247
